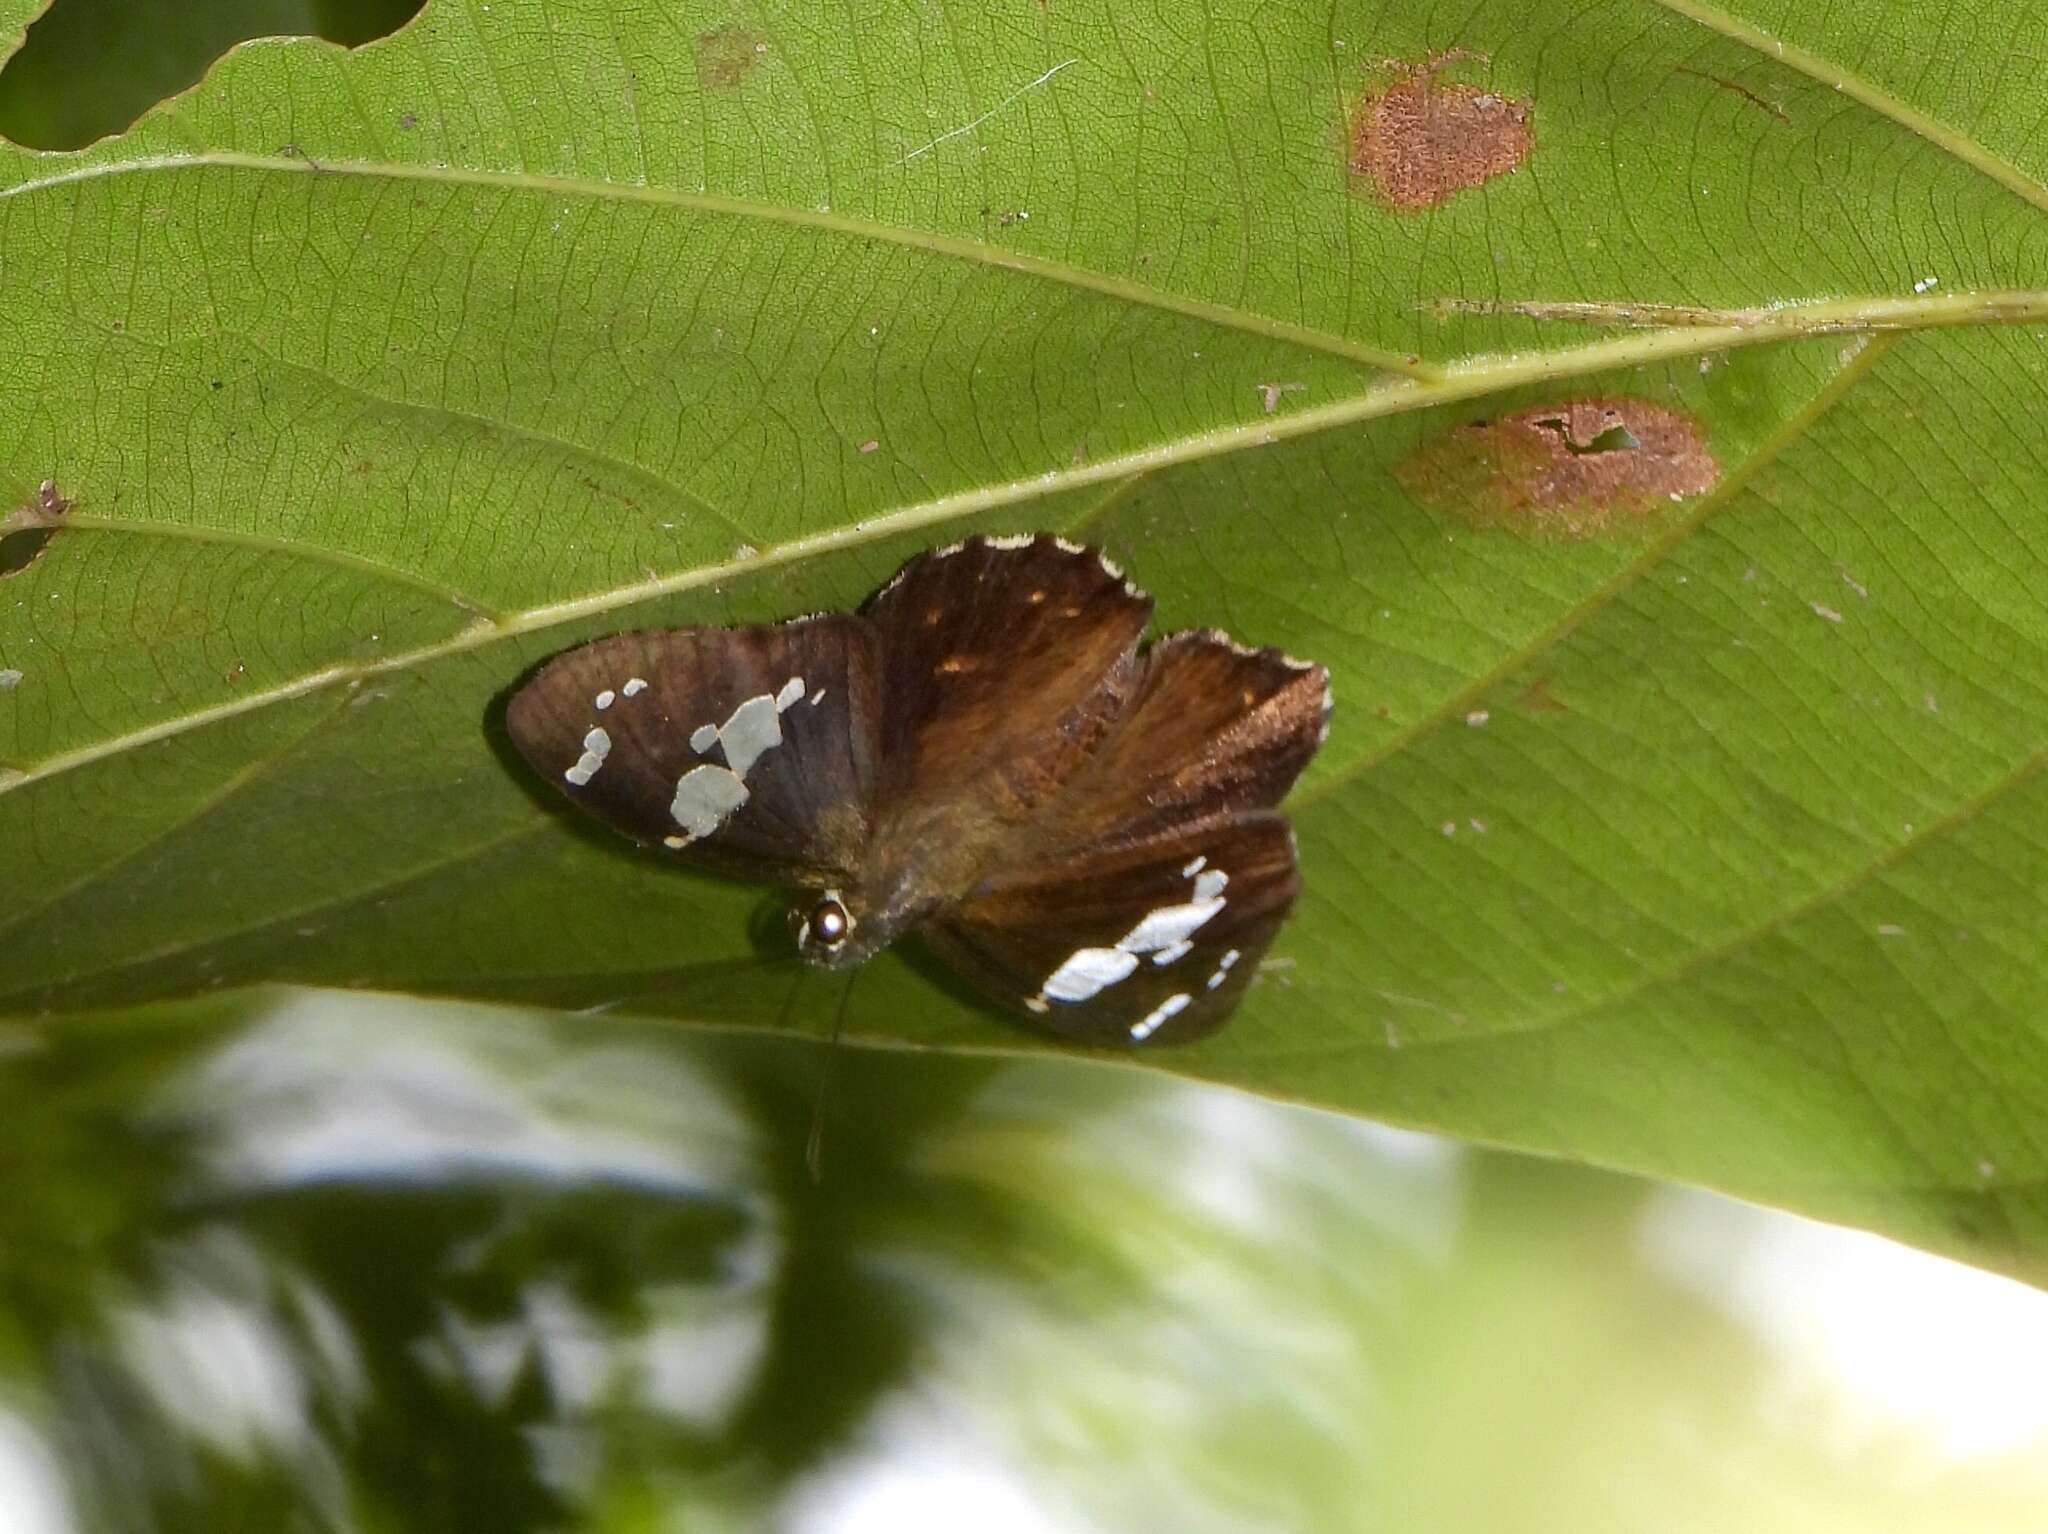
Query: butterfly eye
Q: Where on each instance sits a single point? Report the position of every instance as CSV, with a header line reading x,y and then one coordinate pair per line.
x,y
827,924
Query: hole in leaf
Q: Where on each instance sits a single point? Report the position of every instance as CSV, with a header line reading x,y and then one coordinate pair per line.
x,y
20,550
90,68
26,532
1615,439
1569,469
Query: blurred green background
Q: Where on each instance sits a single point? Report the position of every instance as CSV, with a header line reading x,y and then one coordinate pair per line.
x,y
307,1261
89,68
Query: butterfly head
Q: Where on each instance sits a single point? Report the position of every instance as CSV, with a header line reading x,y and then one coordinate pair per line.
x,y
828,930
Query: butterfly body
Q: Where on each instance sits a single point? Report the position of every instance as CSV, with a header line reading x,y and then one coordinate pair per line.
x,y
984,755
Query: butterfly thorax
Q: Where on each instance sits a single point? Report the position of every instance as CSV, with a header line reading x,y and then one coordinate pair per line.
x,y
917,866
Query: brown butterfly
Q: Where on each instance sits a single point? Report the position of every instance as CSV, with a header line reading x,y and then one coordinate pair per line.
x,y
1083,830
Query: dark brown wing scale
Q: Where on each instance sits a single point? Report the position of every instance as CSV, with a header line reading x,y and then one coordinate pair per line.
x,y
1171,814
1130,941
749,750
1214,728
1004,662
1084,830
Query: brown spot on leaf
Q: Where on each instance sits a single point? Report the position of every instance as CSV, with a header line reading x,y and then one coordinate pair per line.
x,y
1770,107
1536,698
27,530
1570,469
598,487
1420,138
725,55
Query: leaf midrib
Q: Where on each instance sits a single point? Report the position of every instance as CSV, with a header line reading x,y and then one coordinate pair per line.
x,y
1423,386
1837,387
1459,382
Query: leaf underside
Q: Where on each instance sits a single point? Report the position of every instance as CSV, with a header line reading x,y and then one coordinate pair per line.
x,y
1682,812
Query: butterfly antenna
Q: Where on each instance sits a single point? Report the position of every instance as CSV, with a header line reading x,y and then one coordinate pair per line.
x,y
814,1148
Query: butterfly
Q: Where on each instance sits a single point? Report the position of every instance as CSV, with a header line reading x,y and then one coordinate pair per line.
x,y
1082,829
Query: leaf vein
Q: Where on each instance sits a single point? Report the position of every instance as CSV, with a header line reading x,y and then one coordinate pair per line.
x,y
1867,93
952,247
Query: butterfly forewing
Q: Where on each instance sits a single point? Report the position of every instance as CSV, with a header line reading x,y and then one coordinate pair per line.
x,y
1128,942
751,750
1005,661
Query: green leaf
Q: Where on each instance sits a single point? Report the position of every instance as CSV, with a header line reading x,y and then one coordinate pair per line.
x,y
1681,810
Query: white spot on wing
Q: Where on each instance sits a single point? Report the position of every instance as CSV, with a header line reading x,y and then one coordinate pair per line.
x,y
705,797
605,699
1087,972
1172,1006
1168,925
1014,541
635,685
597,746
1163,933
818,697
752,730
1223,968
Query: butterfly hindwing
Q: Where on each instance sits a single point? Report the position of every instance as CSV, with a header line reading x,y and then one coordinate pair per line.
x,y
1213,728
751,750
1131,941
